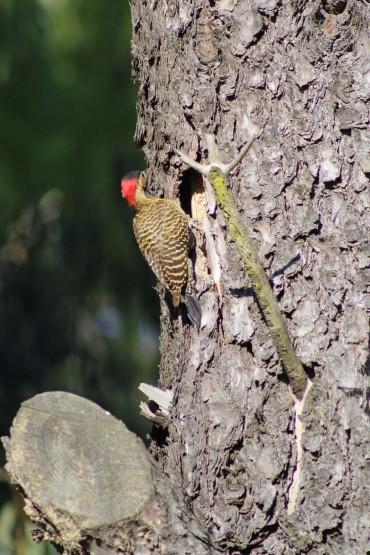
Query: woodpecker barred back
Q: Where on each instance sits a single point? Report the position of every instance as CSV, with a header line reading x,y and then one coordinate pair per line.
x,y
162,233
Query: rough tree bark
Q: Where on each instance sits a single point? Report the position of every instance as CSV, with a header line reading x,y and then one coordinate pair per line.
x,y
300,71
245,472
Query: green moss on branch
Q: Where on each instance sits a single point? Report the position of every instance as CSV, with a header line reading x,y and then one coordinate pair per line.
x,y
260,283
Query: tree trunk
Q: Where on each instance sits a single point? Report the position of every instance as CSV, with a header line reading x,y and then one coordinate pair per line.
x,y
253,469
300,71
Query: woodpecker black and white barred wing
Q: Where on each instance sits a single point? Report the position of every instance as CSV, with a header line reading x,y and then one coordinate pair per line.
x,y
161,230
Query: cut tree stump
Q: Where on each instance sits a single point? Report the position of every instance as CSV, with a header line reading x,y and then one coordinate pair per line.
x,y
90,484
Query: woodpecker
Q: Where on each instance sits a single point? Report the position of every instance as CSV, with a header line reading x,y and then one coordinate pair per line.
x,y
162,232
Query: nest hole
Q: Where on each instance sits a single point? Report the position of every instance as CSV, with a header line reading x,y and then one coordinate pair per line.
x,y
192,193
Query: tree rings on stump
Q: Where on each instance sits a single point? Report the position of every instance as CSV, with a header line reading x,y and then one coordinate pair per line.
x,y
76,463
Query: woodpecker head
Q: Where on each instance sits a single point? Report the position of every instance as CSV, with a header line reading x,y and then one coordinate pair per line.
x,y
130,184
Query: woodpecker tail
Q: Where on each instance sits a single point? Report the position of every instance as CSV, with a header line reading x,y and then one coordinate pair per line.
x,y
194,310
176,298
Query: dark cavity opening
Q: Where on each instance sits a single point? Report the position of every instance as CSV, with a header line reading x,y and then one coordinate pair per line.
x,y
335,7
192,183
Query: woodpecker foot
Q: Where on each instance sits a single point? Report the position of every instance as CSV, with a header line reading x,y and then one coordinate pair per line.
x,y
195,225
214,157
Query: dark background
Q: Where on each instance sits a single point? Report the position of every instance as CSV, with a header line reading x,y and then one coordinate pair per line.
x,y
77,308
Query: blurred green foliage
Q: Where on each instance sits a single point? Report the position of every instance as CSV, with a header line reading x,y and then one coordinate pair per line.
x,y
77,309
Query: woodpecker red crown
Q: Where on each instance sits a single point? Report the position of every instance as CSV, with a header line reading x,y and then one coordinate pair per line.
x,y
129,187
